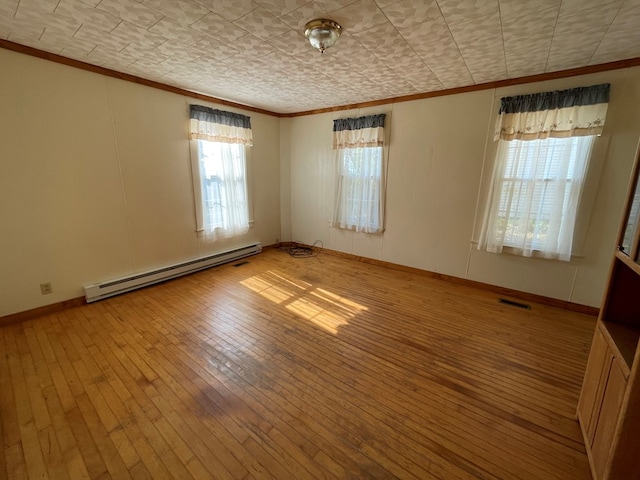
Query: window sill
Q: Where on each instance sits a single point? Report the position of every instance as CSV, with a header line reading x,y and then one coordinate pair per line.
x,y
536,254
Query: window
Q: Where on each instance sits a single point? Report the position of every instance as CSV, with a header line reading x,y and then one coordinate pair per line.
x,y
535,195
359,196
219,142
223,184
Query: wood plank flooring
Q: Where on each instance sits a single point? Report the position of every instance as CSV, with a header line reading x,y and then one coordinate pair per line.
x,y
295,368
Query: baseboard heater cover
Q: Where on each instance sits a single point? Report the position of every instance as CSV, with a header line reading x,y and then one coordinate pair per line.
x,y
102,290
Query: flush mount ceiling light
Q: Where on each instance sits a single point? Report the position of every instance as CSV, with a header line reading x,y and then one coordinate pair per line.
x,y
322,33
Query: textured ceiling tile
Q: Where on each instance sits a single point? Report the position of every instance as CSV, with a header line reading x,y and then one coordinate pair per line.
x,y
183,11
45,5
171,63
219,28
409,14
76,52
520,34
628,17
82,13
388,47
618,45
145,51
430,84
493,71
386,3
145,69
481,45
298,18
292,43
173,30
524,69
577,37
452,74
530,29
131,12
522,60
262,24
36,14
350,50
415,72
62,40
385,42
252,47
215,49
572,55
174,48
429,35
19,31
101,37
460,11
572,6
230,9
281,7
594,21
359,16
132,33
8,8
330,5
110,59
513,9
27,38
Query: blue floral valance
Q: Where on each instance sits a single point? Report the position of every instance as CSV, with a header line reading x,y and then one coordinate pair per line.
x,y
219,126
561,113
359,132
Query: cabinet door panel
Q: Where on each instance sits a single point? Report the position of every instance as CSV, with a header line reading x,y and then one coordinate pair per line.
x,y
606,424
595,378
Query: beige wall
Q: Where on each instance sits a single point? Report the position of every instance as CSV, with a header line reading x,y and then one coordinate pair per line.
x,y
440,162
95,181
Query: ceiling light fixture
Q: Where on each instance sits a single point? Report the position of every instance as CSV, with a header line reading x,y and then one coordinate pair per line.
x,y
322,33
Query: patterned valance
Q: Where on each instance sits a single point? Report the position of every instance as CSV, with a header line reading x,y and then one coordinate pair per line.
x,y
359,132
562,113
219,126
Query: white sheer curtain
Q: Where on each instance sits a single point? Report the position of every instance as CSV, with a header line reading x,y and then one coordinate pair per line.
x,y
535,195
224,188
360,194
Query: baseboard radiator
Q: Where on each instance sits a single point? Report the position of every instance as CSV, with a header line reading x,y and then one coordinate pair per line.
x,y
102,290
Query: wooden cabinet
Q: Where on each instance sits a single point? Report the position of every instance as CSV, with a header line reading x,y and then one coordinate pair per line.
x,y
609,406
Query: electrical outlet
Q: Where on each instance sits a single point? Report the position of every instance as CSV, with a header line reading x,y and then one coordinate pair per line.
x,y
46,288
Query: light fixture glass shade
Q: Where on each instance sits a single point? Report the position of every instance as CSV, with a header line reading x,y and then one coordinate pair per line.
x,y
322,33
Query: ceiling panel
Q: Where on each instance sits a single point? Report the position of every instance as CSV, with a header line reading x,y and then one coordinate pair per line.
x,y
253,51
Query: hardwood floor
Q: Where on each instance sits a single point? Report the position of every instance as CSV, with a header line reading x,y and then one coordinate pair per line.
x,y
292,368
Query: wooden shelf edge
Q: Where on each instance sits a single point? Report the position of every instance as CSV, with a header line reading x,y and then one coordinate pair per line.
x,y
624,258
614,334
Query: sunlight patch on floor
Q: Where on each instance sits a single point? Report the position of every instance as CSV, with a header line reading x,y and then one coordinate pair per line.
x,y
318,305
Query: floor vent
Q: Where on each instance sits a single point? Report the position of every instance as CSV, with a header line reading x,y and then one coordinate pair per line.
x,y
102,290
514,304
